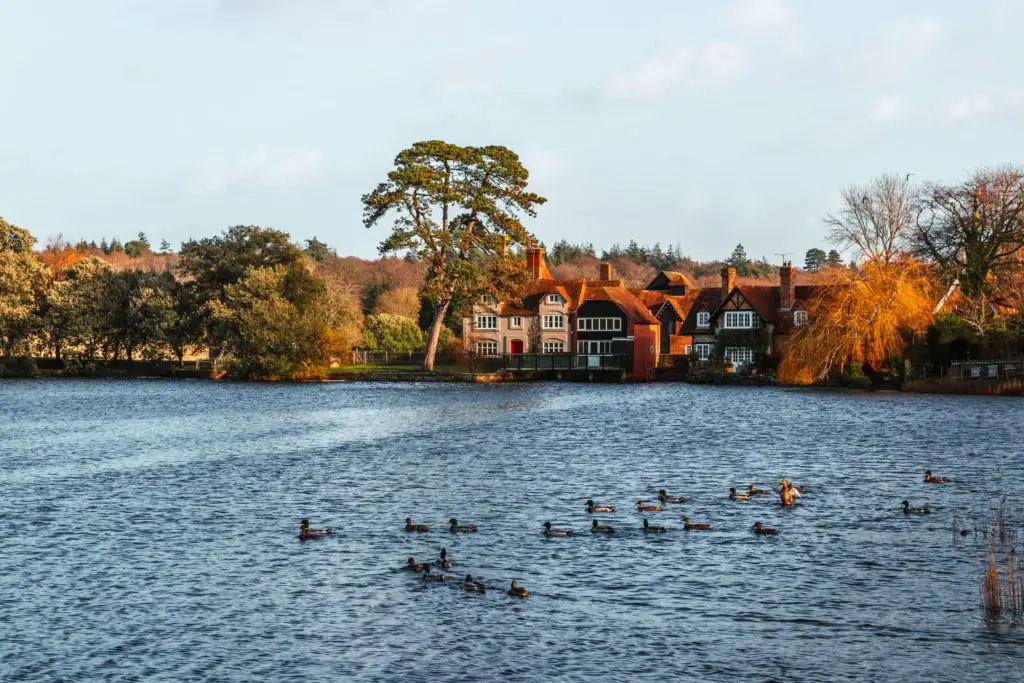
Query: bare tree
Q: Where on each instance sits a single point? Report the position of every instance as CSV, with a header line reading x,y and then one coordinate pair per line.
x,y
975,228
876,219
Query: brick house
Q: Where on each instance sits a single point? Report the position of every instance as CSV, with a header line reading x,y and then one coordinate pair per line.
x,y
592,319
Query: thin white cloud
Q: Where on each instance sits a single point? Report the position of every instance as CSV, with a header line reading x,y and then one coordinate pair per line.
x,y
769,20
970,108
902,46
259,170
888,110
684,68
249,9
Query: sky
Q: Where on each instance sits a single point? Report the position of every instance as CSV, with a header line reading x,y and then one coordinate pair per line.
x,y
702,123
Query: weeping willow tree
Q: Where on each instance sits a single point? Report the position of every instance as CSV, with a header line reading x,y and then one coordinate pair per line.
x,y
863,317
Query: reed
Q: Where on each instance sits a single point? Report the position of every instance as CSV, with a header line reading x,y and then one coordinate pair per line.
x,y
1002,586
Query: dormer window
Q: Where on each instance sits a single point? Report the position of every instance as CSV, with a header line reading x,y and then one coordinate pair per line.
x,y
555,299
703,319
488,299
799,318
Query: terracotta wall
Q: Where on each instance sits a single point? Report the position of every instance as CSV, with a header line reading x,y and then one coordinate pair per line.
x,y
645,350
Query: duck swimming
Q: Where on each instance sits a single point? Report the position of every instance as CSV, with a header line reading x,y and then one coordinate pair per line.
x,y
929,479
907,510
418,528
307,534
473,586
444,562
549,531
665,498
592,507
411,566
762,530
457,528
427,576
738,496
690,526
596,528
752,490
647,507
517,592
651,529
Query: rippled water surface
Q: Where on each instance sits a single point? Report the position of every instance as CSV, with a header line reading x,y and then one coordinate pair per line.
x,y
148,533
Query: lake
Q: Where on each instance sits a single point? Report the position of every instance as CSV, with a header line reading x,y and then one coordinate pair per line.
x,y
149,533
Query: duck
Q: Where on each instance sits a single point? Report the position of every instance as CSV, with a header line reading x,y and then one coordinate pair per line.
x,y
738,496
444,562
473,586
651,529
752,490
690,526
665,498
596,528
646,507
307,534
418,528
411,566
550,531
592,507
762,530
427,576
929,479
907,510
456,528
517,591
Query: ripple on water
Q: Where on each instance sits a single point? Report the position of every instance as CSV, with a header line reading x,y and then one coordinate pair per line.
x,y
150,533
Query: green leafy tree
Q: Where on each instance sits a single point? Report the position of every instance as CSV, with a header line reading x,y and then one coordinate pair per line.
x,y
318,251
215,263
165,247
77,313
116,246
140,312
13,238
834,259
137,247
459,208
814,259
392,333
23,279
272,323
186,329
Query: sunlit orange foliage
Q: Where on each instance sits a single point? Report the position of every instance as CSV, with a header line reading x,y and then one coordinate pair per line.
x,y
863,316
60,260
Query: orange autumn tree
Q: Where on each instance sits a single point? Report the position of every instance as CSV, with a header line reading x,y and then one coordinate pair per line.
x,y
863,316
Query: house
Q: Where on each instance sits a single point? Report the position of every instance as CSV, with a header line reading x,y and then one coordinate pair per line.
x,y
597,320
742,322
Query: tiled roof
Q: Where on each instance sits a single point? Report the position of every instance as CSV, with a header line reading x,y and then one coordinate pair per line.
x,y
705,300
677,279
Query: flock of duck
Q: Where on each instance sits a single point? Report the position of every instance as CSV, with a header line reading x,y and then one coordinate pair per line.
x,y
788,494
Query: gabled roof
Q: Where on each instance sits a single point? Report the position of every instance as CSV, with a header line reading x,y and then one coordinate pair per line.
x,y
668,278
626,301
705,300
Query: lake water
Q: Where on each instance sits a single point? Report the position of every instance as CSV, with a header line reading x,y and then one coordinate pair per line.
x,y
148,533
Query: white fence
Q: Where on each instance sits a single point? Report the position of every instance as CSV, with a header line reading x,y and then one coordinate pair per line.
x,y
986,369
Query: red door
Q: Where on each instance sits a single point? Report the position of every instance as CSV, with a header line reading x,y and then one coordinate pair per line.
x,y
517,346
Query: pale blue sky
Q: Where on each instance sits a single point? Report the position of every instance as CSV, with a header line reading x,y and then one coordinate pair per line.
x,y
703,123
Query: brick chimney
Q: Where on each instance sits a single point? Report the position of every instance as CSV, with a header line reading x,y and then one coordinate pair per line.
x,y
787,286
728,280
604,271
535,261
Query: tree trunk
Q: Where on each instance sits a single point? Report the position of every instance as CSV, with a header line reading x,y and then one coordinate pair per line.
x,y
440,310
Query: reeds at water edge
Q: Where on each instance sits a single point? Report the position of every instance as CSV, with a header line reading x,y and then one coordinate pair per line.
x,y
1002,587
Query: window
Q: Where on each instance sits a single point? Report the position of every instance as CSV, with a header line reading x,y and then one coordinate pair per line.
x,y
487,348
703,319
554,299
703,351
739,320
687,349
600,347
800,318
516,323
739,355
554,321
488,299
554,346
487,322
599,324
